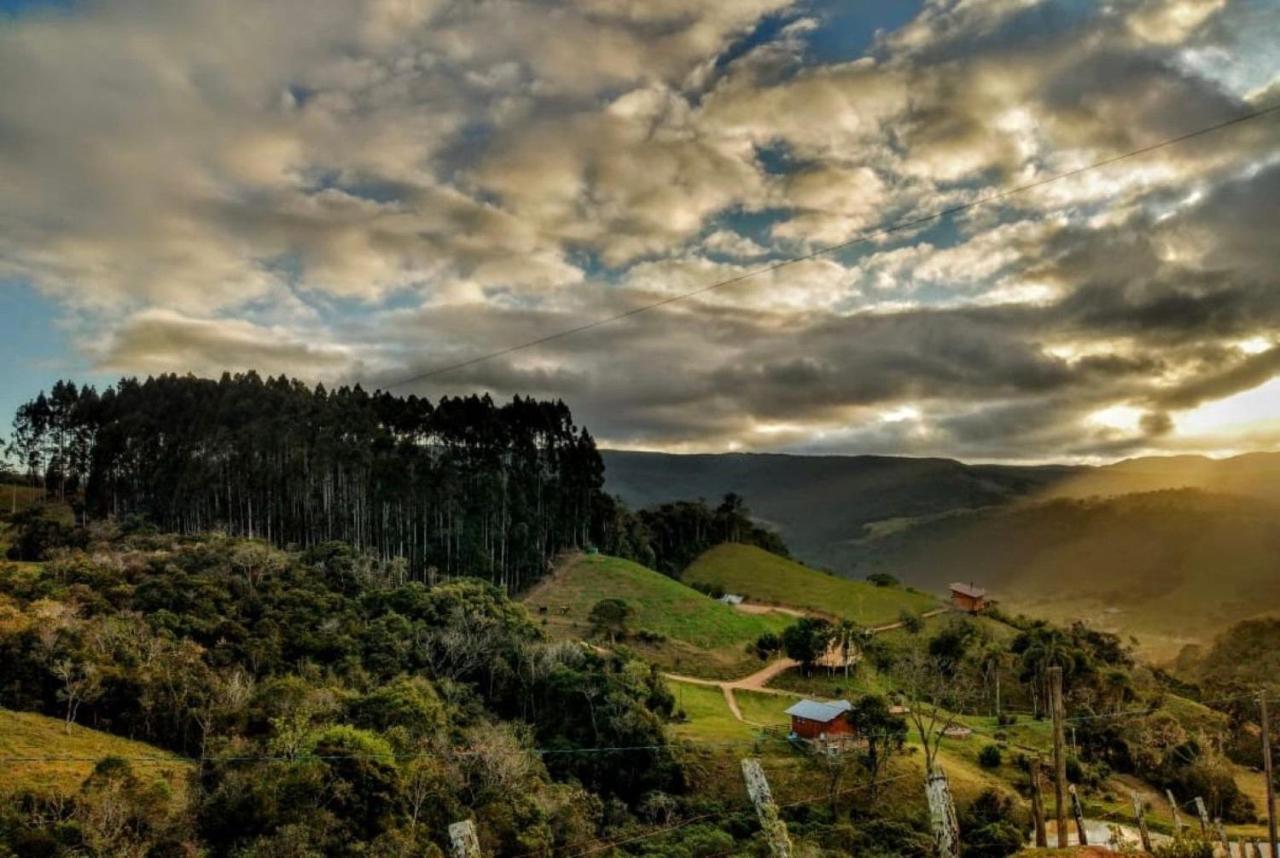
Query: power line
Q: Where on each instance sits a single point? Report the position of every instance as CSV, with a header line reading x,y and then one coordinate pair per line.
x,y
861,238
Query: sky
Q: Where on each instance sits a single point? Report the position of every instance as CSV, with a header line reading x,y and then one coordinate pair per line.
x,y
362,191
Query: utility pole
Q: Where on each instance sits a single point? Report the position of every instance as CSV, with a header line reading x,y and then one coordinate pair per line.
x,y
1266,768
1141,819
464,841
773,827
1059,754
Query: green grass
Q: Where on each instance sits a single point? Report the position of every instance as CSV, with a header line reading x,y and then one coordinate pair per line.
x,y
26,735
768,578
708,718
700,636
767,710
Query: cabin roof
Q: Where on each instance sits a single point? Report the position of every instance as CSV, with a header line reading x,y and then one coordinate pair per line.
x,y
823,712
968,590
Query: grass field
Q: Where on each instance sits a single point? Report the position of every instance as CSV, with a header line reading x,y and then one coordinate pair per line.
x,y
25,735
708,718
768,578
701,636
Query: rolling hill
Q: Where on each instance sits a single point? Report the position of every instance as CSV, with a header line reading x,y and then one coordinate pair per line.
x,y
26,738
1173,567
699,635
818,502
822,505
768,578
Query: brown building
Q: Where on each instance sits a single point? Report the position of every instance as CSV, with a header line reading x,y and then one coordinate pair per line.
x,y
968,598
815,720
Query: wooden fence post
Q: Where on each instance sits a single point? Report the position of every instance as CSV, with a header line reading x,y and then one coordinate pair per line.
x,y
1203,813
1059,754
1141,819
1273,846
1078,811
1177,820
1222,836
464,840
1037,804
942,815
775,830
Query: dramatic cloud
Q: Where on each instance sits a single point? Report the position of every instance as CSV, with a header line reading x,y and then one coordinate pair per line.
x,y
366,191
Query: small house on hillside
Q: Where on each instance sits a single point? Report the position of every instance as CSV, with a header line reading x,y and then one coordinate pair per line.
x,y
731,599
968,598
818,721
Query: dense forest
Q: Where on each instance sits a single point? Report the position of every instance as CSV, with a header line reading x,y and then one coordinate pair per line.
x,y
331,708
463,486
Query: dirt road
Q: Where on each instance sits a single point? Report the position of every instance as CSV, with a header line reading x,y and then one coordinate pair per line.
x,y
759,680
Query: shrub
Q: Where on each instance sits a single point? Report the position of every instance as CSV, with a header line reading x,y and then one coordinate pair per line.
x,y
991,827
989,757
882,579
767,644
1185,845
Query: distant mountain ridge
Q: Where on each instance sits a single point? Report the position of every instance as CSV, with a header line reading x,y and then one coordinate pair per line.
x,y
828,507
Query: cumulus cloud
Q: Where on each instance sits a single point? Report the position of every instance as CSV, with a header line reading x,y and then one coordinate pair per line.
x,y
368,190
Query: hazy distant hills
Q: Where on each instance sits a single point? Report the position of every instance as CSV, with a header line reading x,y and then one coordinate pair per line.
x,y
1170,548
818,503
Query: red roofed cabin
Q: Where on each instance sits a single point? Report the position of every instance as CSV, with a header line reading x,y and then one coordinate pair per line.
x,y
814,720
968,598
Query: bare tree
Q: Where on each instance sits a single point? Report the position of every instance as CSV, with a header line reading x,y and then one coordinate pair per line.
x,y
81,683
936,692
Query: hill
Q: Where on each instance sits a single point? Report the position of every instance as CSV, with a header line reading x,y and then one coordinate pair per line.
x,y
25,737
822,505
1155,564
818,502
768,578
686,629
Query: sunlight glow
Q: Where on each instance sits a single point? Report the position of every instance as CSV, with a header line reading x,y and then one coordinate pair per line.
x,y
1234,414
1122,417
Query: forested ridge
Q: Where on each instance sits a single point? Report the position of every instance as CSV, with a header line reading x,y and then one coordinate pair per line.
x,y
460,486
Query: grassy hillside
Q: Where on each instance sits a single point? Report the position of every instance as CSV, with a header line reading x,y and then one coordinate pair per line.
x,y
26,735
703,637
1148,564
765,577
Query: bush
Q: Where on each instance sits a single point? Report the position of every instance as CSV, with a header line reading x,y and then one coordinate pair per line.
x,y
1185,845
990,757
882,579
991,827
36,531
767,644
1006,719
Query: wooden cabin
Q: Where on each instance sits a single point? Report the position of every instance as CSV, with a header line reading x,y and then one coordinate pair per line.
x,y
817,721
968,598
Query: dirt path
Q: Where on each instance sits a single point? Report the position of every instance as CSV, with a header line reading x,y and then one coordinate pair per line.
x,y
757,608
875,630
759,680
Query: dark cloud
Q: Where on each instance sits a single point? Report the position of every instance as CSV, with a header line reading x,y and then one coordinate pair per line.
x,y
374,190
